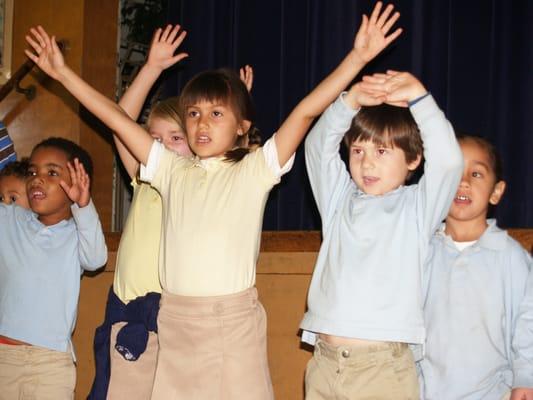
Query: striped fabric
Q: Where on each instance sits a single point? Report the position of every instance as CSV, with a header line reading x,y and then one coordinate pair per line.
x,y
7,150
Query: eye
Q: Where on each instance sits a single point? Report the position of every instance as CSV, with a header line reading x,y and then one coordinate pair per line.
x,y
217,114
476,174
13,198
53,173
1,199
382,151
176,138
192,113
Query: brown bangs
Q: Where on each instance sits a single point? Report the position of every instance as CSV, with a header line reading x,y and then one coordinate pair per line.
x,y
211,86
386,126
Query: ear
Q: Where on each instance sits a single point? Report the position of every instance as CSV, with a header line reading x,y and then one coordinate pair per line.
x,y
415,163
497,193
244,127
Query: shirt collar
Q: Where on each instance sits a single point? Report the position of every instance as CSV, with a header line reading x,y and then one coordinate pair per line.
x,y
211,163
492,238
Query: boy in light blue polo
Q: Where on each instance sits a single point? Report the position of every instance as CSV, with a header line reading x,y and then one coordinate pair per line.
x,y
479,303
365,299
43,252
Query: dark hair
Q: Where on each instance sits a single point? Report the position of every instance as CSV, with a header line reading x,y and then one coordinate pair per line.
x,y
494,156
18,169
389,126
225,86
71,149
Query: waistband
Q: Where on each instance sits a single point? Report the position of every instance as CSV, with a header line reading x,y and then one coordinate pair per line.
x,y
346,352
205,306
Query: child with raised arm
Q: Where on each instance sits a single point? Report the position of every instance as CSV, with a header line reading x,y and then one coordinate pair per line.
x,y
43,252
125,345
13,183
365,298
212,328
479,302
123,370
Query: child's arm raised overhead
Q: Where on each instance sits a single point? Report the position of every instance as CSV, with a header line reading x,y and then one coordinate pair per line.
x,y
49,58
370,40
160,57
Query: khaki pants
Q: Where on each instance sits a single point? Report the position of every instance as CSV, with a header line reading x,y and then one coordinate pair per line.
x,y
131,380
212,348
383,371
34,373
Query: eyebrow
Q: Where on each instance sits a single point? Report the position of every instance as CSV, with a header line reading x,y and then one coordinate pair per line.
x,y
53,165
484,165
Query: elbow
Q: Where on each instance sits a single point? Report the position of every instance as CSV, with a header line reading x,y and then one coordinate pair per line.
x,y
96,261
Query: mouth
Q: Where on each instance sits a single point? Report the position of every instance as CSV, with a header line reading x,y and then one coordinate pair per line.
x,y
37,194
203,139
369,180
462,199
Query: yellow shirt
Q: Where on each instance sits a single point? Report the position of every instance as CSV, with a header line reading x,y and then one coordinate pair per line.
x,y
136,270
212,218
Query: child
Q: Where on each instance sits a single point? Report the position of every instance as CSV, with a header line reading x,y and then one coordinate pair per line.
x,y
126,343
364,302
479,302
136,284
13,183
211,327
43,251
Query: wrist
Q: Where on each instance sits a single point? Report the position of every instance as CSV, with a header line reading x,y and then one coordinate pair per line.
x,y
355,59
152,69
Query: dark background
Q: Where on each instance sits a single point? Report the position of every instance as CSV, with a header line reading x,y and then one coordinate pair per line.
x,y
476,57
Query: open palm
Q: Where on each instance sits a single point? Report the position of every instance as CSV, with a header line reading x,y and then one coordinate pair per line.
x,y
47,54
164,44
372,37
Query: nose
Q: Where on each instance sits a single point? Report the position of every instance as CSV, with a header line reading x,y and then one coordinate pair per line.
x,y
203,122
367,161
34,180
465,180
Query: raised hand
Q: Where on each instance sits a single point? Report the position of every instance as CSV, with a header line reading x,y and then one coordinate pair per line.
x,y
247,76
78,190
163,46
372,37
358,96
48,56
400,87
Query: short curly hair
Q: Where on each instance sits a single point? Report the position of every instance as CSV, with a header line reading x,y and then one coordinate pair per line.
x,y
18,169
71,149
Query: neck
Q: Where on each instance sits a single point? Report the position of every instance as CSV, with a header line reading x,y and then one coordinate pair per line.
x,y
465,231
53,219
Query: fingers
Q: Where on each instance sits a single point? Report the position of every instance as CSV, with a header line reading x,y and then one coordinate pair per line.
x,y
173,33
156,37
165,34
246,74
385,28
383,17
176,43
375,13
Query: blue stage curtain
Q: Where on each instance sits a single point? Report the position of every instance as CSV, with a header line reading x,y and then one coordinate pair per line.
x,y
476,57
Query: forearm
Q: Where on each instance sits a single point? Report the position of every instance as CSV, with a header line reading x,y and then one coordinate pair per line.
x,y
91,241
292,131
523,333
132,102
110,113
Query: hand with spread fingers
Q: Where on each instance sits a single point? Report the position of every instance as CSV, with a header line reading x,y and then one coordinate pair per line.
x,y
47,54
164,45
372,37
78,190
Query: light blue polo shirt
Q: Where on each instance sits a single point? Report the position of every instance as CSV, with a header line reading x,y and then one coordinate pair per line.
x,y
40,268
479,316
